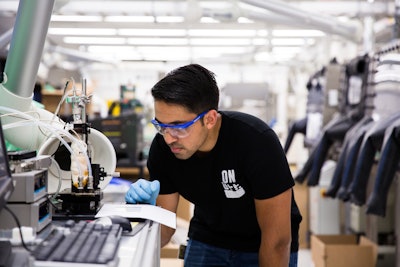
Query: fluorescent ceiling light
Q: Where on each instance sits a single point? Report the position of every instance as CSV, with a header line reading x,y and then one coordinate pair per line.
x,y
297,33
144,19
186,49
76,18
125,56
162,50
170,19
166,57
278,55
208,20
285,50
152,32
244,20
220,41
164,53
93,40
268,57
114,52
262,33
110,49
220,50
129,19
288,41
82,31
158,53
262,56
222,33
259,41
158,41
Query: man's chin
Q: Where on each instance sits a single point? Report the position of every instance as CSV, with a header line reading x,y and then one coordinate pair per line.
x,y
181,156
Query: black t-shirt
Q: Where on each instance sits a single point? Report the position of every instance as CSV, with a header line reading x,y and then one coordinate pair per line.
x,y
246,163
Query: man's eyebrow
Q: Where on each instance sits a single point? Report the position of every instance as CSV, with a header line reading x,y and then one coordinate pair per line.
x,y
170,123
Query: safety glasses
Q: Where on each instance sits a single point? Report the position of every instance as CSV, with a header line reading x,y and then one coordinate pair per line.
x,y
176,130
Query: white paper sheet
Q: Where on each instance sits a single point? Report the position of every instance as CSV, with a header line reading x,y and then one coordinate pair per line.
x,y
142,211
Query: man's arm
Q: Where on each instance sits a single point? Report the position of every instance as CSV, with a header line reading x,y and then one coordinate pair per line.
x,y
168,202
273,217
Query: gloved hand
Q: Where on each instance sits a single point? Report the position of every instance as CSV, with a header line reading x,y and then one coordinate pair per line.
x,y
143,191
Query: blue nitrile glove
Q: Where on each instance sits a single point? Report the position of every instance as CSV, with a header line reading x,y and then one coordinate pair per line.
x,y
143,191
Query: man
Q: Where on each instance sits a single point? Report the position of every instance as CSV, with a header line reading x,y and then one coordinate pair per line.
x,y
230,165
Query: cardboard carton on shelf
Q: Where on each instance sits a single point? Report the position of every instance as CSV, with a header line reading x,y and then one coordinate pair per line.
x,y
343,251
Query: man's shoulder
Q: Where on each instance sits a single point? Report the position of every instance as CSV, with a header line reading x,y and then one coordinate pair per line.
x,y
244,119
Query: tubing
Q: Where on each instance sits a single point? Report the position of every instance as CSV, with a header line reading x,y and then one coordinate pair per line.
x,y
58,136
33,121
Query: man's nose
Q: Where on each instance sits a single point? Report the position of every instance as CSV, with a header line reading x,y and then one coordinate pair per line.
x,y
169,138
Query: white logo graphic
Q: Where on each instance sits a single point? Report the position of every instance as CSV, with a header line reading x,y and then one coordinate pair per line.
x,y
231,188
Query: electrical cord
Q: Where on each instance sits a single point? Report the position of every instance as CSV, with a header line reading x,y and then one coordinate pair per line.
x,y
19,227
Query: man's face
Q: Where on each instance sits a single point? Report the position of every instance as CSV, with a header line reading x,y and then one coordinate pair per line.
x,y
193,138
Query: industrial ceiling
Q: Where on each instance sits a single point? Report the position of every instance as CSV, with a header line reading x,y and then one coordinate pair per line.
x,y
273,31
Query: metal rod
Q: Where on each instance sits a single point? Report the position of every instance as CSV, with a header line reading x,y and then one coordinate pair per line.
x,y
27,43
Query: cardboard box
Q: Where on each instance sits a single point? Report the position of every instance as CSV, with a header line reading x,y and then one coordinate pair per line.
x,y
170,251
343,251
301,195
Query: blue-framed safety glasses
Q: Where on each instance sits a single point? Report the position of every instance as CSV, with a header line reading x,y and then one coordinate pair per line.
x,y
176,130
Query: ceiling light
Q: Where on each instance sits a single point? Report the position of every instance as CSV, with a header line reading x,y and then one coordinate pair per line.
x,y
297,33
152,32
158,49
219,50
288,41
109,49
285,50
262,56
219,41
208,20
148,19
157,41
259,41
82,31
76,18
93,40
114,52
244,20
222,33
164,53
170,19
262,33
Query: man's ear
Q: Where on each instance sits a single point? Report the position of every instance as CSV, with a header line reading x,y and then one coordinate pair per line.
x,y
211,118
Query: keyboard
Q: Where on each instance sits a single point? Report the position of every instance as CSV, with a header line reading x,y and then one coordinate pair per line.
x,y
79,243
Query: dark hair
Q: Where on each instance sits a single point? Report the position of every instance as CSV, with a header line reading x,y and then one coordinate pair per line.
x,y
191,86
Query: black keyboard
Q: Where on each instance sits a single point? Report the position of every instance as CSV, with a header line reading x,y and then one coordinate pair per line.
x,y
81,242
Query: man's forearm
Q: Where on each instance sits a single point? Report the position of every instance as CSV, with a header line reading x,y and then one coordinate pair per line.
x,y
274,256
